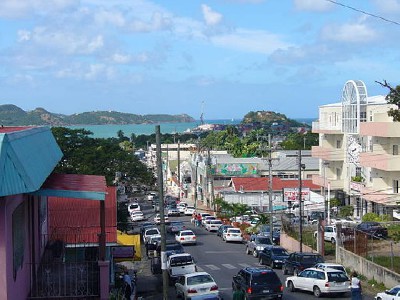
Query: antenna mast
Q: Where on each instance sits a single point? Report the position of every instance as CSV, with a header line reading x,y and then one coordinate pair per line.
x,y
202,113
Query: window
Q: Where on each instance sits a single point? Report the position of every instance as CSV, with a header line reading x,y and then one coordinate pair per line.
x,y
338,144
395,149
18,237
395,186
358,171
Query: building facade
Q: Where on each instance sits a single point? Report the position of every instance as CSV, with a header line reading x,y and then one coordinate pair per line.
x,y
358,153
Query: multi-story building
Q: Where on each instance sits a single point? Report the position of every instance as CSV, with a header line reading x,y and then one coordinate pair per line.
x,y
358,151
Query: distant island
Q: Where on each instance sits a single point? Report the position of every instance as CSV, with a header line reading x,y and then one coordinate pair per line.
x,y
12,115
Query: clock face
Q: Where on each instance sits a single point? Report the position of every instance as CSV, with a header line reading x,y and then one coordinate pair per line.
x,y
353,150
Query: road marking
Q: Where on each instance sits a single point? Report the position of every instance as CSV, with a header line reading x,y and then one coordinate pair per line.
x,y
222,252
200,269
244,265
212,267
229,266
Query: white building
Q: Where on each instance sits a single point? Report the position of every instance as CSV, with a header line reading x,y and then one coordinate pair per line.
x,y
359,151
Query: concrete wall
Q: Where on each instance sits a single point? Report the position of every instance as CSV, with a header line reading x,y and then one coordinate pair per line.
x,y
292,245
366,267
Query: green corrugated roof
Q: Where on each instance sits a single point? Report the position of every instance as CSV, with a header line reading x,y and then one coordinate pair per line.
x,y
27,158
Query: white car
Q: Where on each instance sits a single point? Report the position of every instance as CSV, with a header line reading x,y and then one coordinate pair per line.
x,y
392,294
189,210
232,235
207,218
157,219
320,281
186,237
150,232
181,207
133,207
137,216
324,266
196,284
213,225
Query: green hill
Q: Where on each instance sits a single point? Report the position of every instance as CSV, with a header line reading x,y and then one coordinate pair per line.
x,y
11,115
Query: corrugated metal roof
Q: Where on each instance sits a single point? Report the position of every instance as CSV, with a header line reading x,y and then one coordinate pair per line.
x,y
77,221
92,187
28,155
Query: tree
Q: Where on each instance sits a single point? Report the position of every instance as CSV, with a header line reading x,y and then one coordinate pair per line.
x,y
392,98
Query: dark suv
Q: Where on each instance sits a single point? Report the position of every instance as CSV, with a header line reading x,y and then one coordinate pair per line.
x,y
373,229
298,261
258,283
273,256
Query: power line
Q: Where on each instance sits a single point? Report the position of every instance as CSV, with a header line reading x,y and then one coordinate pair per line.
x,y
364,12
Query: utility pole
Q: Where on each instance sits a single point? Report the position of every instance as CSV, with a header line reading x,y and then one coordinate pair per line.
x,y
210,180
179,170
162,218
300,205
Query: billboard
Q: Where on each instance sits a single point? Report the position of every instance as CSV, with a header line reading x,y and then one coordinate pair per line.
x,y
239,169
292,194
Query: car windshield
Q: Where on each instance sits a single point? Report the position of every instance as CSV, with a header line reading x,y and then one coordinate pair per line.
x,y
394,290
312,259
337,277
233,230
152,231
216,222
199,279
181,260
263,240
264,277
280,252
340,268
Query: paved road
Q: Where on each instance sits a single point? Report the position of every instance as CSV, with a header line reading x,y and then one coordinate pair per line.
x,y
223,260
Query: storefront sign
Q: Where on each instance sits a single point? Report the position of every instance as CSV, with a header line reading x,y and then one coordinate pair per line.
x,y
292,194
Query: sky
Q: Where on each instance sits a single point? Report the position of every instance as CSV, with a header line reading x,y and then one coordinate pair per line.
x,y
219,58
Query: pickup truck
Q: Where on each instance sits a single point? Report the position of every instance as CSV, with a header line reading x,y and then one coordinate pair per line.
x,y
330,234
179,264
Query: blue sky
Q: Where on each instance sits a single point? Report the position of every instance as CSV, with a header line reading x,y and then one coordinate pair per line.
x,y
222,57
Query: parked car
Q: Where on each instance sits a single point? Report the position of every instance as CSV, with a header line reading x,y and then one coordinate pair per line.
x,y
133,207
149,232
157,219
257,243
373,229
213,225
137,216
223,228
258,283
276,233
318,281
189,210
173,211
273,256
324,266
182,207
330,234
392,294
175,226
171,247
186,237
146,225
232,235
207,218
152,243
298,261
178,265
195,284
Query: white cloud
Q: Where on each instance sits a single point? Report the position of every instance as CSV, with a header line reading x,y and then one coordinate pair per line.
x,y
255,41
121,58
349,33
388,6
113,18
313,5
211,17
157,22
23,35
22,8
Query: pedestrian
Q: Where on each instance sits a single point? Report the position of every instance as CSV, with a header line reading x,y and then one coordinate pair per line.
x,y
199,220
128,285
355,286
238,295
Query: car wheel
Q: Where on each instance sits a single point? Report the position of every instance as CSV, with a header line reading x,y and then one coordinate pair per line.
x,y
255,253
178,295
317,292
378,298
333,241
260,260
291,286
247,251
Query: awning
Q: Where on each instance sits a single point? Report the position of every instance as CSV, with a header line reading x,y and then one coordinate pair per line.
x,y
90,187
130,240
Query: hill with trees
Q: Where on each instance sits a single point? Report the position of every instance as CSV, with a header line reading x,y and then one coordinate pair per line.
x,y
11,115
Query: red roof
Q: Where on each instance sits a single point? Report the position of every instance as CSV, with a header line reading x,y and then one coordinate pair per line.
x,y
76,221
7,129
75,182
252,184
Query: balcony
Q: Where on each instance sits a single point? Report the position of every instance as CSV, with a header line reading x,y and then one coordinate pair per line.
x,y
327,154
385,162
319,127
380,129
335,184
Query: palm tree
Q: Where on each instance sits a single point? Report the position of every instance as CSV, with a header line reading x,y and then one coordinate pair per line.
x,y
263,220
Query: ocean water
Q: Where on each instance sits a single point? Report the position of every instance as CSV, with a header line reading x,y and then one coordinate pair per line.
x,y
109,131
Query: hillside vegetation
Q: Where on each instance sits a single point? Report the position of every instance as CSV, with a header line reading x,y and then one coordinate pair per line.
x,y
11,115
